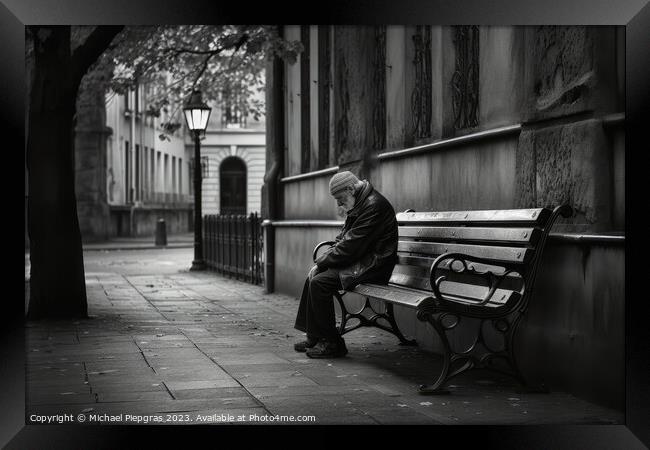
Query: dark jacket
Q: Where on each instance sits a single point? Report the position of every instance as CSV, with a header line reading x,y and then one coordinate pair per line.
x,y
366,247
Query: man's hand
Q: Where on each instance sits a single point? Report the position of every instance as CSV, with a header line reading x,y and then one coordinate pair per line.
x,y
313,272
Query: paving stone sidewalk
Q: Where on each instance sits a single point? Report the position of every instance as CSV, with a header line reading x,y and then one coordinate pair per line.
x,y
186,346
178,240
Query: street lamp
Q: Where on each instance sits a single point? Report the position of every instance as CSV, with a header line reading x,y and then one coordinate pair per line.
x,y
197,114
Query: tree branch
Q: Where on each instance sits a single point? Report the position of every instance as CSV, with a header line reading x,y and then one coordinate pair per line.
x,y
178,51
88,52
202,70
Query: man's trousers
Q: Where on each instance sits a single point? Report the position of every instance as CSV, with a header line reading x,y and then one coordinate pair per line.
x,y
316,311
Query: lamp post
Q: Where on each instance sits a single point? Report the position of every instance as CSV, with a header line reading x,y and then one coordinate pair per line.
x,y
197,114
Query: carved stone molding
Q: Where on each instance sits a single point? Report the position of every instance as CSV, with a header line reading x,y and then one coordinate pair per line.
x,y
421,100
464,82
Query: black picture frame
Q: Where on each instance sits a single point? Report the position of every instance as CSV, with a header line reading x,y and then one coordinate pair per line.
x,y
633,14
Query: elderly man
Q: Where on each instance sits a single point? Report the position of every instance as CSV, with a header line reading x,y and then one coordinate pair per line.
x,y
365,251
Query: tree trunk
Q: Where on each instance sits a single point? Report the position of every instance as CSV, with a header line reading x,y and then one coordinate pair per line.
x,y
57,280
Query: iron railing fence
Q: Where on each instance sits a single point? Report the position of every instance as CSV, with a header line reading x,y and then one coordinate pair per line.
x,y
233,246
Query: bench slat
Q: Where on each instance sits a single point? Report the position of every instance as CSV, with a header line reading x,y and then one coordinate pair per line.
x,y
423,261
501,235
506,254
418,277
393,294
471,292
414,298
533,216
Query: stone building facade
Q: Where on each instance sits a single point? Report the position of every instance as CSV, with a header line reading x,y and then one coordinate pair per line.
x,y
127,178
443,118
234,154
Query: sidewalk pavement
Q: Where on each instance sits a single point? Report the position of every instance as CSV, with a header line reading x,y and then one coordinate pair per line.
x,y
180,240
196,347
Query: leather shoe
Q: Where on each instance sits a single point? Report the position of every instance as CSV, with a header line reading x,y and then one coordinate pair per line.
x,y
328,349
304,345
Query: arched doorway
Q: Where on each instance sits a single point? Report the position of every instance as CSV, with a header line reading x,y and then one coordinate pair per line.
x,y
232,186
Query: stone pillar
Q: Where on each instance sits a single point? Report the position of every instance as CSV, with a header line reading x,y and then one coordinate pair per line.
x,y
90,162
272,192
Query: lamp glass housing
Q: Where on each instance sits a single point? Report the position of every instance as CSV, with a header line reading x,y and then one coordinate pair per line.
x,y
197,113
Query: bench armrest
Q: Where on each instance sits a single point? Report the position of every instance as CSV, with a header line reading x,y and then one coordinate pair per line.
x,y
330,243
493,279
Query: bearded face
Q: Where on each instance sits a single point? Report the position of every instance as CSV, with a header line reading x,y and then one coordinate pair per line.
x,y
345,199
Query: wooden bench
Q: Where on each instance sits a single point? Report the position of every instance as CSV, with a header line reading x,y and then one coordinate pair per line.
x,y
455,265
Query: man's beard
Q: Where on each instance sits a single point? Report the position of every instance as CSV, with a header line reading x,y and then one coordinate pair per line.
x,y
341,211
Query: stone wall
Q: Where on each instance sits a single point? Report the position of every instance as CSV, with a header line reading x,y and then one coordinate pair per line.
x,y
568,163
560,88
141,221
566,154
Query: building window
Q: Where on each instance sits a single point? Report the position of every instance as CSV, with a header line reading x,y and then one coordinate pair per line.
x,y
232,183
127,173
145,172
180,175
137,171
152,179
464,82
159,174
166,173
138,98
174,189
232,115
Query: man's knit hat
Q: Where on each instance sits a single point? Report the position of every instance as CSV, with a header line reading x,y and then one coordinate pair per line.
x,y
342,180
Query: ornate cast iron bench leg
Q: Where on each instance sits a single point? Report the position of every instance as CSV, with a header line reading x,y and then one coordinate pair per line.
x,y
435,388
507,330
371,321
466,360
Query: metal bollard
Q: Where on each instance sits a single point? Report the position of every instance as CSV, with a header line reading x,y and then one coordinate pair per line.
x,y
161,233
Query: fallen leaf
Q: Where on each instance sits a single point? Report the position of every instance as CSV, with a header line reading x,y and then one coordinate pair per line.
x,y
102,372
